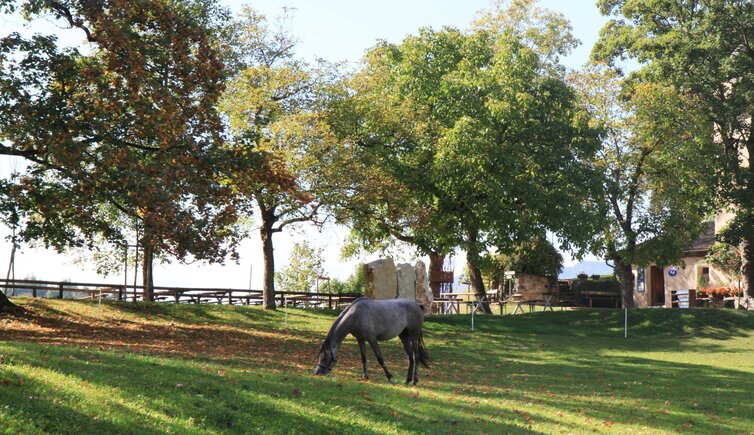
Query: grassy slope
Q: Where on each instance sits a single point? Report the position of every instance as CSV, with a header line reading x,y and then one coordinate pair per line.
x,y
210,369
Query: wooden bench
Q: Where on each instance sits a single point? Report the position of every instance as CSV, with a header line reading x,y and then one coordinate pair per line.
x,y
593,295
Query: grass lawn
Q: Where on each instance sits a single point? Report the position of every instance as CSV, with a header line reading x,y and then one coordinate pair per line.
x,y
214,369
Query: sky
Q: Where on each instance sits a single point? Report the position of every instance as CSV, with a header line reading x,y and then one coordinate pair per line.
x,y
334,30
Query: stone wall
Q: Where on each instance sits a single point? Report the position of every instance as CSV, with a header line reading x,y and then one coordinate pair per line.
x,y
424,296
384,280
380,279
532,286
406,277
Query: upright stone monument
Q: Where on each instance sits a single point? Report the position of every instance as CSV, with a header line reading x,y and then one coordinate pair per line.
x,y
423,291
380,279
406,277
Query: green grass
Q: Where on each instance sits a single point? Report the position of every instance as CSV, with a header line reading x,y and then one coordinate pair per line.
x,y
209,369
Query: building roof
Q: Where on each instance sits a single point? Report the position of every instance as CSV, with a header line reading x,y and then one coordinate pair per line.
x,y
702,244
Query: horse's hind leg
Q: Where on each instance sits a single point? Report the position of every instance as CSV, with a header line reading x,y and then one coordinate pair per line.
x,y
378,354
409,348
363,349
415,347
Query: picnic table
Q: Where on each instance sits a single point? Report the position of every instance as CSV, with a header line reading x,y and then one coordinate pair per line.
x,y
518,299
547,301
448,305
472,299
196,298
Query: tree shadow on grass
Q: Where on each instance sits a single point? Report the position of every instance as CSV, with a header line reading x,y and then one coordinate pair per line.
x,y
660,329
466,397
195,398
504,378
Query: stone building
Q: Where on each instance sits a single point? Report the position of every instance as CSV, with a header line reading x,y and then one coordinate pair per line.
x,y
653,284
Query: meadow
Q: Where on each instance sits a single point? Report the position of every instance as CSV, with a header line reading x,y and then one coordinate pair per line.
x,y
69,367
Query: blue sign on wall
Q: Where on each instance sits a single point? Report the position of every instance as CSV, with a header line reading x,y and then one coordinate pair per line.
x,y
672,271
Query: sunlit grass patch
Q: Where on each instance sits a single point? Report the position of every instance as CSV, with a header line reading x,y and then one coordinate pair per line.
x,y
71,368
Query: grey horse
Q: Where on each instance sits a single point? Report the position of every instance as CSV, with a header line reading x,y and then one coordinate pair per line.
x,y
369,321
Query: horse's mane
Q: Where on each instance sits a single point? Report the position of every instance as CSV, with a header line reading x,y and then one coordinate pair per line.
x,y
326,341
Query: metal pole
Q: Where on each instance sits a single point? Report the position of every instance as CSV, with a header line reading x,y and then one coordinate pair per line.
x,y
625,324
472,319
125,272
250,269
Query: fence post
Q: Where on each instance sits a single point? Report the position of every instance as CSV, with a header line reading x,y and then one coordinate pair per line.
x,y
329,301
60,291
230,297
34,292
120,293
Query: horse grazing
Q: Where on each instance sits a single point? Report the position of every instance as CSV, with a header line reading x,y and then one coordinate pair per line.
x,y
369,321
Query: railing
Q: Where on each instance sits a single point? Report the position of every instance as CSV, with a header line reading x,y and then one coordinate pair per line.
x,y
77,290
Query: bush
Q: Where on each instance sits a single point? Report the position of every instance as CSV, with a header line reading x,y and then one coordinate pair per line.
x,y
534,257
603,284
354,283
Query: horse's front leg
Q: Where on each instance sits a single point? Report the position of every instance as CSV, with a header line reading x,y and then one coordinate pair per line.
x,y
409,349
378,354
363,349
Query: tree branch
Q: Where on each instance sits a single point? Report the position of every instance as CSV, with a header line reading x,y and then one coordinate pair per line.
x,y
303,218
65,12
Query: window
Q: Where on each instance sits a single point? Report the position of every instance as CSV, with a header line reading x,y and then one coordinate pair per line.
x,y
703,276
640,287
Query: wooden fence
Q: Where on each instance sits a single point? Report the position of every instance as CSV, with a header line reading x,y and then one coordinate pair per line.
x,y
77,290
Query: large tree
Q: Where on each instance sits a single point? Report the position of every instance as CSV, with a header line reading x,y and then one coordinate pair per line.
x,y
126,126
703,48
655,169
273,106
481,130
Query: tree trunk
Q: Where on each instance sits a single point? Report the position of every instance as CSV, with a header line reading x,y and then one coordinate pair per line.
x,y
475,274
147,271
436,261
268,290
627,280
748,267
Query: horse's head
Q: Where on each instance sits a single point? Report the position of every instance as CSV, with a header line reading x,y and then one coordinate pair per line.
x,y
326,359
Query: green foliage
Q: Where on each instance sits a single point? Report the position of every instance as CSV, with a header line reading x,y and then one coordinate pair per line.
x,y
474,137
123,135
272,107
354,283
533,257
703,49
601,284
726,258
654,168
304,266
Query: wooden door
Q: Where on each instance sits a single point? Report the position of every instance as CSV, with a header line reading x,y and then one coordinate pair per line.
x,y
657,286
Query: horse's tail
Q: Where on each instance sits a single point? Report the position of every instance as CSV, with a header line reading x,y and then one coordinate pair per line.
x,y
423,355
